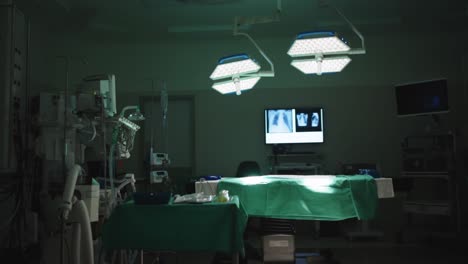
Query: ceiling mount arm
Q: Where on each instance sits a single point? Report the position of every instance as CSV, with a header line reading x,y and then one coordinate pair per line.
x,y
361,50
237,23
279,9
271,73
245,21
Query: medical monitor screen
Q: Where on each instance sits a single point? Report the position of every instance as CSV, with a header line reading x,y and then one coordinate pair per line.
x,y
422,98
293,125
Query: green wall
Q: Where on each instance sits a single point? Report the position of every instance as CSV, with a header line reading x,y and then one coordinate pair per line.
x,y
360,121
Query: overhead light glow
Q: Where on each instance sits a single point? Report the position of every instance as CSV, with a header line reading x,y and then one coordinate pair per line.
x,y
236,85
308,44
253,180
234,66
326,65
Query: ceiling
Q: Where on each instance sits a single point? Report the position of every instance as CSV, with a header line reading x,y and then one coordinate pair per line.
x,y
166,18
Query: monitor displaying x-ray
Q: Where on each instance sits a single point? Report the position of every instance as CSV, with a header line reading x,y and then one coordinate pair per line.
x,y
293,125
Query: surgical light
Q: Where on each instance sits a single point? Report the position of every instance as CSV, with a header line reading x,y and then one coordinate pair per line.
x,y
323,51
321,65
236,85
311,43
234,65
238,73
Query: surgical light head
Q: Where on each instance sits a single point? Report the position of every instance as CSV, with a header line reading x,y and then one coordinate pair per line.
x,y
234,65
242,71
326,51
319,42
236,85
232,73
321,65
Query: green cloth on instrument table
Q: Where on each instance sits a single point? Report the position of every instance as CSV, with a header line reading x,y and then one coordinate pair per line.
x,y
177,227
305,197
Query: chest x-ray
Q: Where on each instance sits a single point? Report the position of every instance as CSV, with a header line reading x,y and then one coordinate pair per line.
x,y
308,120
280,121
302,119
315,119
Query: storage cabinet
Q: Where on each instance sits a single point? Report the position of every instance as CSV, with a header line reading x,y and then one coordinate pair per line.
x,y
431,204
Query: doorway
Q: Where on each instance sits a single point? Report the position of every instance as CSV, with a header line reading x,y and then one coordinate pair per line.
x,y
173,135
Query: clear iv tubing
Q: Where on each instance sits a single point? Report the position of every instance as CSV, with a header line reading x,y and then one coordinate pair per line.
x,y
164,104
111,170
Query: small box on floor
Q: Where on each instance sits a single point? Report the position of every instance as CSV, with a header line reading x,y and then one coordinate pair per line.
x,y
278,248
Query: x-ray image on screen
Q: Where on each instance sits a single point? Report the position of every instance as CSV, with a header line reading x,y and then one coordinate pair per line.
x,y
315,119
312,122
280,121
294,125
302,119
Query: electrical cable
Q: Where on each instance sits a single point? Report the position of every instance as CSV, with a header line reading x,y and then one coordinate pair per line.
x,y
61,239
64,156
7,197
13,215
94,131
16,190
164,107
100,254
93,126
68,250
8,188
104,170
28,197
153,113
14,218
132,256
111,164
104,138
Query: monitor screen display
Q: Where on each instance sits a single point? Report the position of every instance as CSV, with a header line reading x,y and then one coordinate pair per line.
x,y
422,98
293,125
